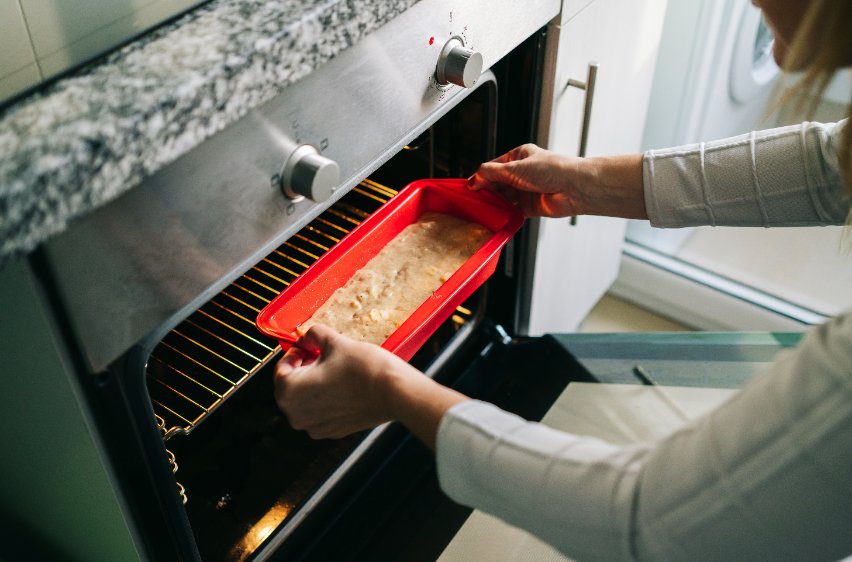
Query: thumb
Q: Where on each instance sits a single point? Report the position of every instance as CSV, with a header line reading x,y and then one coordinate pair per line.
x,y
500,170
490,174
320,337
292,360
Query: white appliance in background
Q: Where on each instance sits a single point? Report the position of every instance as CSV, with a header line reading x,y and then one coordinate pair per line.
x,y
715,78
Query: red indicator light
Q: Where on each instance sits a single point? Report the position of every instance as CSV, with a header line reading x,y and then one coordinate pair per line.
x,y
431,40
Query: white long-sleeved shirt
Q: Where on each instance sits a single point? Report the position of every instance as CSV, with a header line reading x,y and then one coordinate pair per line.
x,y
767,476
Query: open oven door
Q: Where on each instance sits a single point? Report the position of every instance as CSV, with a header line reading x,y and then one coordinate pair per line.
x,y
401,513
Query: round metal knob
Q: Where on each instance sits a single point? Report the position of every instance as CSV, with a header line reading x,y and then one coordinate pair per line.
x,y
458,65
309,174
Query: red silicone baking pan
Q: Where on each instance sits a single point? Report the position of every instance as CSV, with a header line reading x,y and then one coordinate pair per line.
x,y
332,270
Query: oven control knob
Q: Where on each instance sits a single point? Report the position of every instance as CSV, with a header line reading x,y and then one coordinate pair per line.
x,y
458,65
309,174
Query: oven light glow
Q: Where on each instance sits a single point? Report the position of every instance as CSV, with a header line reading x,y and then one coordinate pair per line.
x,y
261,530
264,532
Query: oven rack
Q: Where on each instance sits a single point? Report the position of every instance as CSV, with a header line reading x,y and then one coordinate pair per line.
x,y
204,359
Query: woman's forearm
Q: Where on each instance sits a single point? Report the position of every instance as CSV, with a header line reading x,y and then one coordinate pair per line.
x,y
612,186
419,403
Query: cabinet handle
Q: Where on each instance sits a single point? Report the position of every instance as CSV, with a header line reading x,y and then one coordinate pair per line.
x,y
589,87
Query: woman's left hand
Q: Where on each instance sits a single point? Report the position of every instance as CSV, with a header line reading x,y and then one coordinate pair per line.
x,y
342,391
354,386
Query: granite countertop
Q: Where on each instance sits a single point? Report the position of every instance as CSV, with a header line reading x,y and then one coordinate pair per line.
x,y
97,133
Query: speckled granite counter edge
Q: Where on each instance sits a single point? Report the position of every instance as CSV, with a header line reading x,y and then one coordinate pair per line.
x,y
96,134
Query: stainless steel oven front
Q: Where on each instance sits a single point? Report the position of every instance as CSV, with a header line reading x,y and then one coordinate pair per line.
x,y
156,293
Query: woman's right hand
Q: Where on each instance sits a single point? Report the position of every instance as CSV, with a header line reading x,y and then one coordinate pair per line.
x,y
545,184
540,182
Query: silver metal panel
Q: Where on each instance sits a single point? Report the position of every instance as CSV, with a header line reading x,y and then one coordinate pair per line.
x,y
147,259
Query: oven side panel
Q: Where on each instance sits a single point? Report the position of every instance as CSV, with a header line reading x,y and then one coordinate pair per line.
x,y
57,500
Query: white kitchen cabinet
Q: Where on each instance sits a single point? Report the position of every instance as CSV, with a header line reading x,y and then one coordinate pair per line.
x,y
571,8
576,264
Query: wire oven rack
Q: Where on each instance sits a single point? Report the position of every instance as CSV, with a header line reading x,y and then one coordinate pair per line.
x,y
204,359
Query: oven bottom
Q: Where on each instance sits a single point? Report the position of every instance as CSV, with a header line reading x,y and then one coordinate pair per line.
x,y
249,465
246,471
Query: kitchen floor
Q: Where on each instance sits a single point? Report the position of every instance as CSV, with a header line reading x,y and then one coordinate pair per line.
x,y
613,314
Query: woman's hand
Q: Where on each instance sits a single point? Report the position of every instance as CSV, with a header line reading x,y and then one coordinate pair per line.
x,y
340,392
354,386
540,182
545,184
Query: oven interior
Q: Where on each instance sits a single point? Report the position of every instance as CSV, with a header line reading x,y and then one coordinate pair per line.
x,y
241,471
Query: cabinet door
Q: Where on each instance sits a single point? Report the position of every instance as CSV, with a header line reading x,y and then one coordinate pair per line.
x,y
576,264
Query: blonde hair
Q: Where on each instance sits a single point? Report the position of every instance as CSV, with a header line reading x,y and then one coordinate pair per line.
x,y
822,46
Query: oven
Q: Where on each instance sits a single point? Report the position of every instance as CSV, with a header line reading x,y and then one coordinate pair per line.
x,y
153,298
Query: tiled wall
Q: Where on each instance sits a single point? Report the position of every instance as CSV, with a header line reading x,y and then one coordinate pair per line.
x,y
41,38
